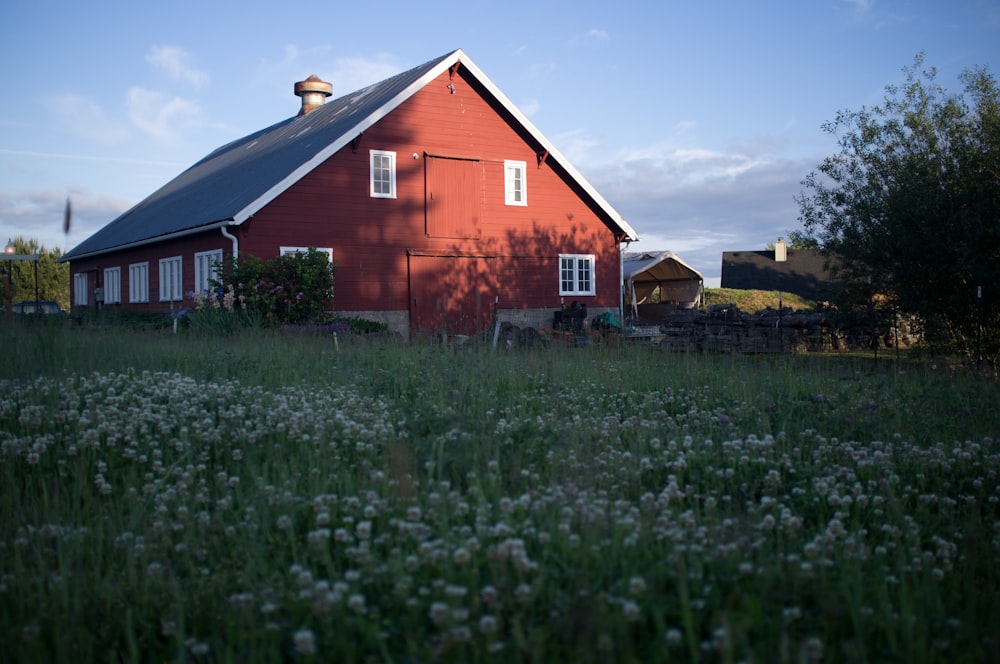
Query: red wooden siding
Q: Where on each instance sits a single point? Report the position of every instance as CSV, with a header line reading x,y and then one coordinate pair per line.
x,y
450,201
451,293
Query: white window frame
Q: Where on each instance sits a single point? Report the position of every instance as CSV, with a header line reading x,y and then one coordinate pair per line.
x,y
515,190
112,285
171,279
383,173
577,274
138,282
81,284
284,251
207,268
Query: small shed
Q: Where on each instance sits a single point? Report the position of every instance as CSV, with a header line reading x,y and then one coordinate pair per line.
x,y
679,284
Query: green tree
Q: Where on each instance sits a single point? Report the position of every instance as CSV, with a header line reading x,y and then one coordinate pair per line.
x,y
53,277
911,204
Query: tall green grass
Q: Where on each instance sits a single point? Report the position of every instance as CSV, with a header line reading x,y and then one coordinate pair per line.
x,y
272,497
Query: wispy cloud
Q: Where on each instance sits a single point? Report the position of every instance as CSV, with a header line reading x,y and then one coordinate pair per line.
x,y
530,107
92,157
861,7
39,214
355,72
175,62
159,116
86,119
700,201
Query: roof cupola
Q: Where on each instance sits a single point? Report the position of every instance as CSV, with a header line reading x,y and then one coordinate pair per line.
x,y
314,92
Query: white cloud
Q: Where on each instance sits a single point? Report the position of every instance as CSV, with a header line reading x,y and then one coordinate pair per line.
x,y
347,74
38,214
174,62
530,107
700,202
594,34
861,6
159,116
575,145
353,73
86,119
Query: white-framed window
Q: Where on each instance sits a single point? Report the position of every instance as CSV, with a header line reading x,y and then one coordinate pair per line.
x,y
138,282
576,274
81,284
207,267
112,285
171,283
301,250
514,190
383,174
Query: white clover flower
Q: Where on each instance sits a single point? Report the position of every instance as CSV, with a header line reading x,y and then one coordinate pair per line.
x,y
318,537
488,624
305,642
631,611
455,591
439,613
356,603
636,586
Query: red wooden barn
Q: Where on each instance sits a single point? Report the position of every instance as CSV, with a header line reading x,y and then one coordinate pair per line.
x,y
439,200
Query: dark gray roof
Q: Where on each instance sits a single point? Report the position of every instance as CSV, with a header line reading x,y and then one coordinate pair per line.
x,y
805,272
232,183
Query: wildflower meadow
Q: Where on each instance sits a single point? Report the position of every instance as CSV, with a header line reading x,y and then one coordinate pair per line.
x,y
275,496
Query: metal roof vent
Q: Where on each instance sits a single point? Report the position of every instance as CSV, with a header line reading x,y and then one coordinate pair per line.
x,y
314,92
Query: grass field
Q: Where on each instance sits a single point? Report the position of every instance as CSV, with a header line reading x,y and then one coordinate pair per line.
x,y
276,497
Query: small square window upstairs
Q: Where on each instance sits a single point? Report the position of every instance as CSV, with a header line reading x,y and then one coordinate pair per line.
x,y
514,189
383,174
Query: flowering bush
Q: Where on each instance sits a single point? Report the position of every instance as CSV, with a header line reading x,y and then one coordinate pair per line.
x,y
293,288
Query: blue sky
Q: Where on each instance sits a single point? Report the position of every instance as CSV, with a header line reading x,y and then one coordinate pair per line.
x,y
697,120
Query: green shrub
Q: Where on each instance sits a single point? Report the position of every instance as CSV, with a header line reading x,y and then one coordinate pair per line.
x,y
293,288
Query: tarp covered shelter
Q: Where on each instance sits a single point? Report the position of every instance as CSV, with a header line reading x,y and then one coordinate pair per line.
x,y
644,272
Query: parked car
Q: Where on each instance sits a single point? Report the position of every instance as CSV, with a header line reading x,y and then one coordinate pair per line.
x,y
43,307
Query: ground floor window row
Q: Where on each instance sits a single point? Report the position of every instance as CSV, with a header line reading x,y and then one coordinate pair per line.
x,y
576,277
104,286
